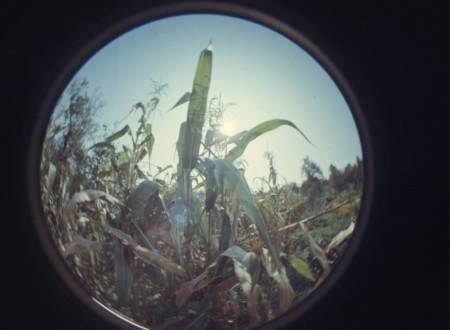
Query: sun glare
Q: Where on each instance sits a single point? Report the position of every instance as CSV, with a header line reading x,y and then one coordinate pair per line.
x,y
228,128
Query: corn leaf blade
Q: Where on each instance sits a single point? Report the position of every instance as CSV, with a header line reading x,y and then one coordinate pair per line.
x,y
185,98
196,112
118,134
301,267
242,139
226,171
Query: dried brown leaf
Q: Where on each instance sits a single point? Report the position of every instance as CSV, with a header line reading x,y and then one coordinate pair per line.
x,y
344,210
319,254
286,293
341,236
252,306
187,289
87,196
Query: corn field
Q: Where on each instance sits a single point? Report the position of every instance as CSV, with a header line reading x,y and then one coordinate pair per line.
x,y
190,246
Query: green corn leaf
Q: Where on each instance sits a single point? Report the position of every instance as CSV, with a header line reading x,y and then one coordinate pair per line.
x,y
138,105
104,145
242,139
185,98
118,134
196,112
301,267
180,172
141,197
235,252
225,171
149,140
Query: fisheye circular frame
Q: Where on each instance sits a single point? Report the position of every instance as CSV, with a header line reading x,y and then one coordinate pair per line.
x,y
299,34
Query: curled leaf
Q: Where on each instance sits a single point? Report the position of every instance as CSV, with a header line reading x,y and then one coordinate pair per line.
x,y
246,268
286,293
87,196
341,236
118,134
242,139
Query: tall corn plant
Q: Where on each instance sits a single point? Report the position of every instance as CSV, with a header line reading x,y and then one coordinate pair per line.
x,y
217,172
189,147
142,142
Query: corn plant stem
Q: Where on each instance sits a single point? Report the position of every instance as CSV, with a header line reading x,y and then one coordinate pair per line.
x,y
164,204
210,218
144,236
210,151
194,228
295,224
187,250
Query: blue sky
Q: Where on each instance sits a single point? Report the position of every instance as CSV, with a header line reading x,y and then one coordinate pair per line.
x,y
263,73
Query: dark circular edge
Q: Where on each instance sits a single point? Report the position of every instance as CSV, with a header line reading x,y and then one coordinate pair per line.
x,y
316,45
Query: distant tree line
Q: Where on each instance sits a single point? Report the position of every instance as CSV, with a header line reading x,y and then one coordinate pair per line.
x,y
316,186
